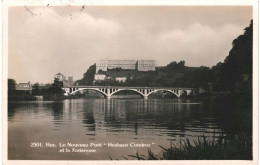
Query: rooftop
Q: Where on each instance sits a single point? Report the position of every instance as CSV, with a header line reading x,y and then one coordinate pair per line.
x,y
59,74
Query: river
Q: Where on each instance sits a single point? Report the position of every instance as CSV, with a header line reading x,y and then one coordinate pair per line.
x,y
112,128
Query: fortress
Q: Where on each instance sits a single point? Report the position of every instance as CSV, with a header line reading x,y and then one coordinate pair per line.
x,y
140,65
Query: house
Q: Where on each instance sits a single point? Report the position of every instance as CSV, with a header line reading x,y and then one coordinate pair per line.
x,y
59,76
100,77
121,79
24,87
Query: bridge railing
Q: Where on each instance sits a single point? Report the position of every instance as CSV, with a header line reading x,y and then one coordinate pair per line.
x,y
127,87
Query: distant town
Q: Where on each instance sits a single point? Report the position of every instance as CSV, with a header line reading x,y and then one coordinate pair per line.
x,y
101,65
100,75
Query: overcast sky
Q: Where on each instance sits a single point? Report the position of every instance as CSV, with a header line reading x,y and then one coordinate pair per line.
x,y
46,40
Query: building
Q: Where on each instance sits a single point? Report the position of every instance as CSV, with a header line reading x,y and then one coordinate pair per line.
x,y
140,65
121,79
100,77
146,65
24,87
59,76
66,82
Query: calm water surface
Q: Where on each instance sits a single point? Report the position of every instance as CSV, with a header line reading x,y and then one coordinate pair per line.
x,y
123,121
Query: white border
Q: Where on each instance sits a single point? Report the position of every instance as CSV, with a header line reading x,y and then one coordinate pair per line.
x,y
129,3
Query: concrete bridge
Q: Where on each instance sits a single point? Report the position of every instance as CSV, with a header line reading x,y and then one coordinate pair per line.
x,y
108,91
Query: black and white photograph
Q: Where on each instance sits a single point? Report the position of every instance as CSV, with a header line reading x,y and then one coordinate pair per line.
x,y
130,83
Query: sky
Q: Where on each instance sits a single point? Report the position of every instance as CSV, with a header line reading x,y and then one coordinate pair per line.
x,y
45,40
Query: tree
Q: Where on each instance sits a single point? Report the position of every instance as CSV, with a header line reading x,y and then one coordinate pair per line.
x,y
181,65
238,64
173,66
36,88
88,76
56,87
11,84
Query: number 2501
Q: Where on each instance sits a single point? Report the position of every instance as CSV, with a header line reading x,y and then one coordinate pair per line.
x,y
36,144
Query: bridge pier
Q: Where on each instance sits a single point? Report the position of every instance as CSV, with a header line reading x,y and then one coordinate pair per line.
x,y
145,97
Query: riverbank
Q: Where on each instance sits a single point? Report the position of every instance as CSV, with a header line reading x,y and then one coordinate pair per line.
x,y
27,97
21,98
236,147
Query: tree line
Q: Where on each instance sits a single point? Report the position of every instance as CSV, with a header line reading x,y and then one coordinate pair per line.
x,y
48,91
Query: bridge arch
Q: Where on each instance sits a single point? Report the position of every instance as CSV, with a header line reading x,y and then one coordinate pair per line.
x,y
80,89
128,90
163,90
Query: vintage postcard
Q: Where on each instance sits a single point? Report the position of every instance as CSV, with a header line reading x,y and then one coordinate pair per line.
x,y
130,82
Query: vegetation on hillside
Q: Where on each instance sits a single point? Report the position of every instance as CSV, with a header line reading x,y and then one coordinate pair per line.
x,y
236,71
88,76
174,74
234,74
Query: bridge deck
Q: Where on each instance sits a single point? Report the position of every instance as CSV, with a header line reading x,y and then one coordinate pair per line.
x,y
127,87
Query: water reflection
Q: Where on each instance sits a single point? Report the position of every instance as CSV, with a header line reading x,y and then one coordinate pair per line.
x,y
88,119
57,112
156,120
